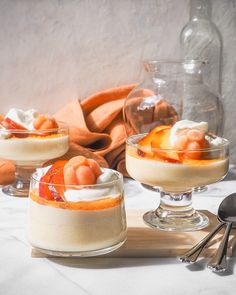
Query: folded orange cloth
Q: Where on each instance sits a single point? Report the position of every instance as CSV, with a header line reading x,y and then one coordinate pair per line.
x,y
96,130
96,125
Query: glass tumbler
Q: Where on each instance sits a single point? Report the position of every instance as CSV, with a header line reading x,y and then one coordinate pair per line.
x,y
93,224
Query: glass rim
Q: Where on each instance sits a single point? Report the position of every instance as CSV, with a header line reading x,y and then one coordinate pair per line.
x,y
64,126
82,186
129,142
175,61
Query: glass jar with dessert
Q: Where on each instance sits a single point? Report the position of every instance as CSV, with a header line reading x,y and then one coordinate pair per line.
x,y
76,209
29,139
177,159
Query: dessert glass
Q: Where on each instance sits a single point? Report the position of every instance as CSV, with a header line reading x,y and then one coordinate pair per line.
x,y
172,90
176,181
30,149
94,226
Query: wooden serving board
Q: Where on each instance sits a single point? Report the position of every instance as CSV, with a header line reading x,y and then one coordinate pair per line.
x,y
143,241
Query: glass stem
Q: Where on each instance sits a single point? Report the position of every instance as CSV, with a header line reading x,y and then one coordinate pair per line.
x,y
175,204
20,187
24,173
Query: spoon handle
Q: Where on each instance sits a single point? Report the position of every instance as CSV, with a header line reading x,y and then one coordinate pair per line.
x,y
218,262
192,255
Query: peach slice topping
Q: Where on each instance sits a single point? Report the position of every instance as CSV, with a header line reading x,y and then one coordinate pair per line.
x,y
189,144
53,176
81,171
45,122
9,124
77,171
191,141
146,141
1,118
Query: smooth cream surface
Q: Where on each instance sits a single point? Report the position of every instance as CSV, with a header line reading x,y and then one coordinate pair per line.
x,y
174,177
33,149
59,229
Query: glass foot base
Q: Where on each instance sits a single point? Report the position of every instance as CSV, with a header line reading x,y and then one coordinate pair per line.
x,y
17,189
90,253
200,189
195,221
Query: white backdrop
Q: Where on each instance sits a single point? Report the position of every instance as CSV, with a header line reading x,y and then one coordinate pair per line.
x,y
53,51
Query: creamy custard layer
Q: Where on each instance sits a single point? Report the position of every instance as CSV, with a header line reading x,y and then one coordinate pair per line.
x,y
33,149
63,229
174,177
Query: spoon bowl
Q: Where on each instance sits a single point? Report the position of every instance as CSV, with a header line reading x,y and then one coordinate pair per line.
x,y
226,214
227,210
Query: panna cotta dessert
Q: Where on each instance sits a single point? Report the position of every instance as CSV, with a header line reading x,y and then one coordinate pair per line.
x,y
177,159
27,137
76,209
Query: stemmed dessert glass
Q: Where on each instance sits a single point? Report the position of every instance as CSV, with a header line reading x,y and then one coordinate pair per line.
x,y
30,149
176,180
172,90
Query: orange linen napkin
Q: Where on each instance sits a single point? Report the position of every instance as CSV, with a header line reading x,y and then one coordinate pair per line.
x,y
96,130
96,125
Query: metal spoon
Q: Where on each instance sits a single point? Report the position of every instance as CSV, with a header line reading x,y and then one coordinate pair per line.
x,y
226,209
226,213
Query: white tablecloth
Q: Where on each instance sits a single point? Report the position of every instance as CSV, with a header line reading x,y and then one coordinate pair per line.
x,y
21,274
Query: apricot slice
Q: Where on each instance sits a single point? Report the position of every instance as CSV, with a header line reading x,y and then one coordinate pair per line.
x,y
43,122
10,124
146,141
81,171
1,118
195,135
85,175
162,141
69,175
95,167
53,176
70,169
181,142
193,151
78,161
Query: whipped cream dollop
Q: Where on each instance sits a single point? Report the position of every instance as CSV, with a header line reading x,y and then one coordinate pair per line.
x,y
24,118
186,124
215,142
4,134
92,194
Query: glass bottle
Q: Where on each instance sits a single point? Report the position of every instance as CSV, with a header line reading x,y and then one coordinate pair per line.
x,y
172,90
201,39
200,103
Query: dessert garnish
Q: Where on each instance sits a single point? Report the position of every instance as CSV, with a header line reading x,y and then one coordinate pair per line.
x,y
181,142
17,119
66,180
